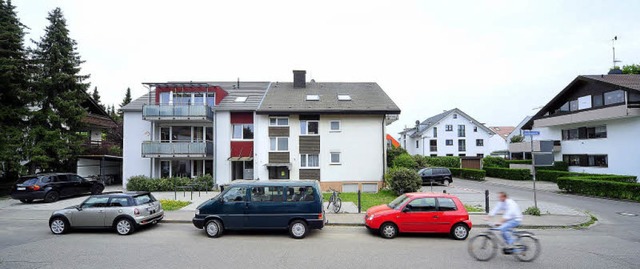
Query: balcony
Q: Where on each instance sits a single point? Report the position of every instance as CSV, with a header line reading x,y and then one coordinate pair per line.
x,y
526,146
156,149
599,114
101,148
191,113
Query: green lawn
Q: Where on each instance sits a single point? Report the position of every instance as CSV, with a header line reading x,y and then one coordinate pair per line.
x,y
368,199
473,208
172,205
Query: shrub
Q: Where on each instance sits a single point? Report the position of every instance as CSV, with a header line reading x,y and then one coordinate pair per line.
x,y
602,188
144,183
404,180
506,173
405,161
393,153
533,211
444,161
557,166
552,176
421,161
138,183
494,162
517,138
473,174
518,162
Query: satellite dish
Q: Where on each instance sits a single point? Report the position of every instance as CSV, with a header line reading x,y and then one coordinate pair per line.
x,y
417,122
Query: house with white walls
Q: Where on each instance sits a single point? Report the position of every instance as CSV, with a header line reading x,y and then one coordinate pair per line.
x,y
594,121
451,133
331,132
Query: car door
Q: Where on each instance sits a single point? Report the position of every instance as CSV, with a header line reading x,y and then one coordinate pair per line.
x,y
234,204
115,208
92,212
419,215
83,185
449,214
264,208
64,186
427,173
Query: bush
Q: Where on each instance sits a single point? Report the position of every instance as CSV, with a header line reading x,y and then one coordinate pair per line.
x,y
533,211
405,161
473,174
393,153
557,166
144,183
518,162
421,161
404,180
506,173
601,188
552,176
443,161
494,162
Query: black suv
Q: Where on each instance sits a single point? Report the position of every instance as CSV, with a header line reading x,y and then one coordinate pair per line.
x,y
436,174
52,186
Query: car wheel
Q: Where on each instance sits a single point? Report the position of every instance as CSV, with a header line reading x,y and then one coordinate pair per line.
x,y
448,181
388,230
59,226
96,189
298,229
51,197
214,228
124,226
459,231
26,201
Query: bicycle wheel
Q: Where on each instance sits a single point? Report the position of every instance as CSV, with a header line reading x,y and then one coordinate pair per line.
x,y
331,200
527,248
337,204
482,247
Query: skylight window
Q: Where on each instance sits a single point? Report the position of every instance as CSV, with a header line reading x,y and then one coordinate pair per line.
x,y
344,97
313,97
241,99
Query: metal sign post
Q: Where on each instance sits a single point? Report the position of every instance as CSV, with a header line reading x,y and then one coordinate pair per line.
x,y
533,164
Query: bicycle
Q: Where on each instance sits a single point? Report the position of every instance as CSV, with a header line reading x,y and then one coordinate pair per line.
x,y
335,201
526,246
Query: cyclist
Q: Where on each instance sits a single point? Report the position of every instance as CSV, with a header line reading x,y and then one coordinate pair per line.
x,y
511,217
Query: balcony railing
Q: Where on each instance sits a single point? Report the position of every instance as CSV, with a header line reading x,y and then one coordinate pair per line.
x,y
177,112
155,149
101,148
526,146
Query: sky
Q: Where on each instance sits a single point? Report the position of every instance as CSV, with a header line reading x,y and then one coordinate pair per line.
x,y
497,61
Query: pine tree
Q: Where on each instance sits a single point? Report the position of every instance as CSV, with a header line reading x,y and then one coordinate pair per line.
x,y
127,98
55,127
96,97
14,91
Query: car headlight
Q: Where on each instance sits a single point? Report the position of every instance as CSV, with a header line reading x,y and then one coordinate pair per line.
x,y
197,211
370,217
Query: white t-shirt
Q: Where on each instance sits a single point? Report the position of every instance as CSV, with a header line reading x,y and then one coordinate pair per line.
x,y
510,210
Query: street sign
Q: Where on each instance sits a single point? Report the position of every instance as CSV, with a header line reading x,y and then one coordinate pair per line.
x,y
543,159
530,133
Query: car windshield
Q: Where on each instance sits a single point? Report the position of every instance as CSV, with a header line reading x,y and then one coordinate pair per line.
x,y
144,199
396,203
422,170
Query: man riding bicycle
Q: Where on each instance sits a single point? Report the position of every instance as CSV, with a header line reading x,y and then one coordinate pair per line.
x,y
511,217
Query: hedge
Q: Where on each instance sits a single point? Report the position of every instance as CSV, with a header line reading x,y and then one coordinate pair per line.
x,y
552,176
494,162
598,187
473,174
405,161
518,161
441,161
557,166
506,173
144,183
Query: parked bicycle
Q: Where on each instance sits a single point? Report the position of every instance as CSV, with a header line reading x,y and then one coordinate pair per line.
x,y
335,201
484,246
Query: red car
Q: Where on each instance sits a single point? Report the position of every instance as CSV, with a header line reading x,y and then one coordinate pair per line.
x,y
420,213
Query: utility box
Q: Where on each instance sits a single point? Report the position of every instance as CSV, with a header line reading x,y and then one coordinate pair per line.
x,y
543,158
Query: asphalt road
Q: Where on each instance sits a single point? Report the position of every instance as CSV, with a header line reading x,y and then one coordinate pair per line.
x,y
617,219
30,245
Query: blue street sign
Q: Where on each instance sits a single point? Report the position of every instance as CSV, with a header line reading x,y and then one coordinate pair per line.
x,y
530,133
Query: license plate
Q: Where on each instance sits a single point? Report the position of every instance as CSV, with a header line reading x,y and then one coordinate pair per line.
x,y
21,188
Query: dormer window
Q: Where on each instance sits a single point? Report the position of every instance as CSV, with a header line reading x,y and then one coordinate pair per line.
x,y
313,97
344,97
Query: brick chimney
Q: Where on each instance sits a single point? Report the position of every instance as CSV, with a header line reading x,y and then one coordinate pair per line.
x,y
299,79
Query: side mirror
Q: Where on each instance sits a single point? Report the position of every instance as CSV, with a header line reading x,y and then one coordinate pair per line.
x,y
406,209
221,200
79,207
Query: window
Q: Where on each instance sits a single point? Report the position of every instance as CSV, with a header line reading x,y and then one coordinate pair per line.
x,y
235,194
295,194
573,105
335,157
449,142
211,99
475,129
344,97
480,155
565,107
462,155
434,155
446,204
417,143
433,145
164,98
479,143
455,116
95,202
279,143
119,201
448,127
461,131
240,99
449,154
309,160
144,199
313,97
613,97
335,126
308,127
585,133
242,131
462,145
267,194
278,121
435,132
584,102
422,205
597,100
586,160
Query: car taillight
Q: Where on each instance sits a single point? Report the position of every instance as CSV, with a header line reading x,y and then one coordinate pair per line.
x,y
34,187
320,216
136,211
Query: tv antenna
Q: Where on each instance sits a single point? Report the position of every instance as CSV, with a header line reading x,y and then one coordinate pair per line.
x,y
613,46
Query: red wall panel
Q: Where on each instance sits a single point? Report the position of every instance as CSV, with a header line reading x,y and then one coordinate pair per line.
x,y
241,117
241,149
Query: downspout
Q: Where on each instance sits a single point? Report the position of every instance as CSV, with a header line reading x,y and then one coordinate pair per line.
x,y
384,149
215,141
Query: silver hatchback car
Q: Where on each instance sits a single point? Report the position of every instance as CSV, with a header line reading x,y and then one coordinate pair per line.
x,y
122,211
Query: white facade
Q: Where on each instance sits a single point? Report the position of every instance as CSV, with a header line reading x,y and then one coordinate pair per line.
x,y
135,131
447,141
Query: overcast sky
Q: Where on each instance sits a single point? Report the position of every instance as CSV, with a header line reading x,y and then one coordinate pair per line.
x,y
495,60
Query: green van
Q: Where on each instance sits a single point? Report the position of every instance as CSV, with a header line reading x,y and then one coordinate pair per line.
x,y
295,205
